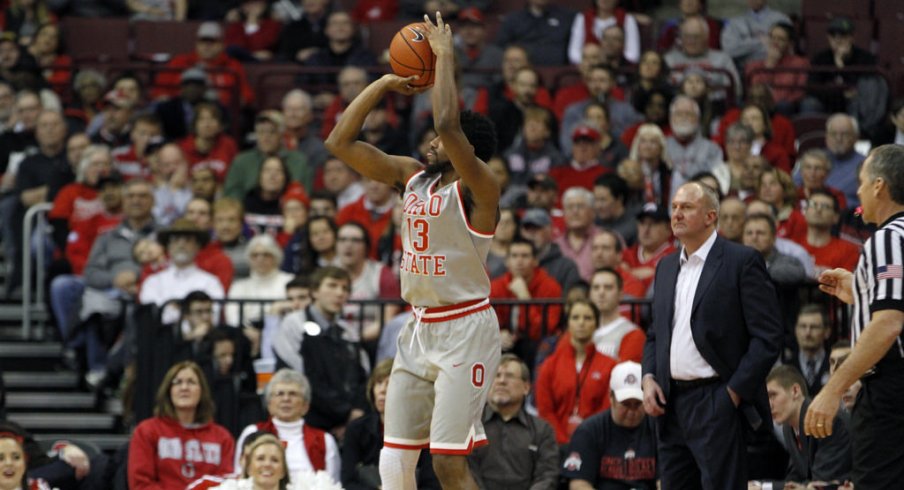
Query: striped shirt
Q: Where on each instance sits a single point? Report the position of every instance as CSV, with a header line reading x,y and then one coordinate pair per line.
x,y
879,279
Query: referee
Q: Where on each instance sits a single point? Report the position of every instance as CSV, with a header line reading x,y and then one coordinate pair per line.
x,y
876,289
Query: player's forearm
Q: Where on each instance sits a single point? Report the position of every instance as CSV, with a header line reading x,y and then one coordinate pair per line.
x,y
445,94
346,131
874,342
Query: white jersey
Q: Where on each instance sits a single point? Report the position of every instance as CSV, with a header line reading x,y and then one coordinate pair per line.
x,y
443,257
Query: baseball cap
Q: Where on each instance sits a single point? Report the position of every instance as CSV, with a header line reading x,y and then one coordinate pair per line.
x,y
651,210
210,30
542,180
271,116
625,381
536,217
193,75
584,132
840,25
470,14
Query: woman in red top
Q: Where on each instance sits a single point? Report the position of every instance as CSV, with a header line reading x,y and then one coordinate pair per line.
x,y
45,47
777,189
252,35
754,117
573,383
79,202
207,145
181,442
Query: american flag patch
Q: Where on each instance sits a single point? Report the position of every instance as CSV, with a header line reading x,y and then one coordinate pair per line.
x,y
886,272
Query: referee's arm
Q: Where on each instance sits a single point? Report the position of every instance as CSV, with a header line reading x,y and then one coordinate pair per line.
x,y
878,336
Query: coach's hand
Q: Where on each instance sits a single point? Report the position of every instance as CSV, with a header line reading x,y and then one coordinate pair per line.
x,y
839,283
821,414
653,397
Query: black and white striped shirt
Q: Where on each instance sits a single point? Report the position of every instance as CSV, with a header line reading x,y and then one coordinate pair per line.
x,y
879,278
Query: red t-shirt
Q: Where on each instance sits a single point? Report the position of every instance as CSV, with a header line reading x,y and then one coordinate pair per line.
x,y
376,225
531,318
837,253
631,256
218,158
129,165
81,238
567,176
225,74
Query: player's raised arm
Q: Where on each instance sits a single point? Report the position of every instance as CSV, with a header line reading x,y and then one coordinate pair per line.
x,y
474,173
365,158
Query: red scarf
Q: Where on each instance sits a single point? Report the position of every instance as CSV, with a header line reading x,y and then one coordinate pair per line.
x,y
590,17
314,442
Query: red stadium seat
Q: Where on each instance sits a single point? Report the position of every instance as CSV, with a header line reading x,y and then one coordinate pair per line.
x,y
821,9
808,123
163,38
88,39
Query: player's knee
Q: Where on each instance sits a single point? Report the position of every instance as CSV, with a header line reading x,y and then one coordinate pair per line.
x,y
450,468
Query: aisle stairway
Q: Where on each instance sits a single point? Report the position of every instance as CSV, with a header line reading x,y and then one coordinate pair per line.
x,y
41,394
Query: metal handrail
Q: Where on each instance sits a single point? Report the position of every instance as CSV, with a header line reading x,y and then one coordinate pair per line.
x,y
38,209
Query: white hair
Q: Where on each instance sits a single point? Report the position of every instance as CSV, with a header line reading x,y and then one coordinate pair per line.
x,y
579,193
849,118
87,155
269,245
288,376
300,94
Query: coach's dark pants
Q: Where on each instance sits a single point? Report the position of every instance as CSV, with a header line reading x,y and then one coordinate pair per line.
x,y
877,430
701,441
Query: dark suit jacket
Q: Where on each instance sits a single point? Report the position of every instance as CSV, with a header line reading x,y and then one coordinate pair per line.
x,y
821,377
818,459
734,322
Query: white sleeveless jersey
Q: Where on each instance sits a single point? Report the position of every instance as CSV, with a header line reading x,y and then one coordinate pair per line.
x,y
443,258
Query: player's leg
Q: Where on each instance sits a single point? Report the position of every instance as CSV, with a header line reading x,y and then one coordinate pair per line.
x,y
409,407
466,369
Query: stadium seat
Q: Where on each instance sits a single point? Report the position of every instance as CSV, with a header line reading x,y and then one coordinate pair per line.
x,y
93,39
816,39
270,81
163,38
807,123
891,38
810,141
889,9
378,35
820,9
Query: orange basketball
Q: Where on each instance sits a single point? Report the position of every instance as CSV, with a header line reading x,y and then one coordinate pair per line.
x,y
410,54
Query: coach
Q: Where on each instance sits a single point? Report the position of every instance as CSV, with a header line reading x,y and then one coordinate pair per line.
x,y
876,290
715,335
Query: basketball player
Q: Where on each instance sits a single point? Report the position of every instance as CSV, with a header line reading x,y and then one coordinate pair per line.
x,y
448,353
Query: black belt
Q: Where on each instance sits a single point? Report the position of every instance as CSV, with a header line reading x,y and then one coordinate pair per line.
x,y
682,384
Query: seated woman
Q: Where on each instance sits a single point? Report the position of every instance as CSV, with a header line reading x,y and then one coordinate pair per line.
x,y
777,189
364,440
251,33
263,212
208,145
267,282
649,151
754,117
46,50
288,399
78,202
165,450
264,467
563,398
312,247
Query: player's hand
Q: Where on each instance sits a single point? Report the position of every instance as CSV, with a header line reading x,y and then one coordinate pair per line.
x,y
75,457
439,35
653,397
821,414
839,283
402,85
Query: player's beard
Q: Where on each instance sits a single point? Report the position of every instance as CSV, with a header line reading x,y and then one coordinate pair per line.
x,y
438,168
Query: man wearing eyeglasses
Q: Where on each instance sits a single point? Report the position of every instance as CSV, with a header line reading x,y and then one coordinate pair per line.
x,y
829,252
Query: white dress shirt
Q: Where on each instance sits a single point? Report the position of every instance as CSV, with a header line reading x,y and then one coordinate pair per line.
x,y
685,360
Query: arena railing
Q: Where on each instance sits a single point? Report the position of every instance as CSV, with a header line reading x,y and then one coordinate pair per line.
x,y
34,223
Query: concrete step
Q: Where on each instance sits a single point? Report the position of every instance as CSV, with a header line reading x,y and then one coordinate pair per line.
x,y
49,401
29,380
12,312
30,350
51,422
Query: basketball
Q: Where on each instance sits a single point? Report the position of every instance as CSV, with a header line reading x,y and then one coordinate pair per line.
x,y
410,54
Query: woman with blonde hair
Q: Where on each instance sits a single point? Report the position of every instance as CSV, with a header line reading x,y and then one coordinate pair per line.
x,y
265,467
776,188
648,149
181,442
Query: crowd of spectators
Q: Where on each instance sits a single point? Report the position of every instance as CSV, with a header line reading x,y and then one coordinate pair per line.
x,y
252,239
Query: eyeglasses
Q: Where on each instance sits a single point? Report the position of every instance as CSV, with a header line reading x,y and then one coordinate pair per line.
x,y
258,255
287,394
819,205
350,239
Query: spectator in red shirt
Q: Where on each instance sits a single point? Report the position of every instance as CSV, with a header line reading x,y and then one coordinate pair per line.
x,y
225,74
253,35
132,161
788,87
208,145
591,55
815,166
782,130
45,47
373,210
689,8
78,201
82,233
114,127
525,281
211,257
654,235
754,117
573,383
822,214
166,450
584,167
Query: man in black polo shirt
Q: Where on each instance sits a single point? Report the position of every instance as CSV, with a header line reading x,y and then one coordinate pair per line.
x,y
615,449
